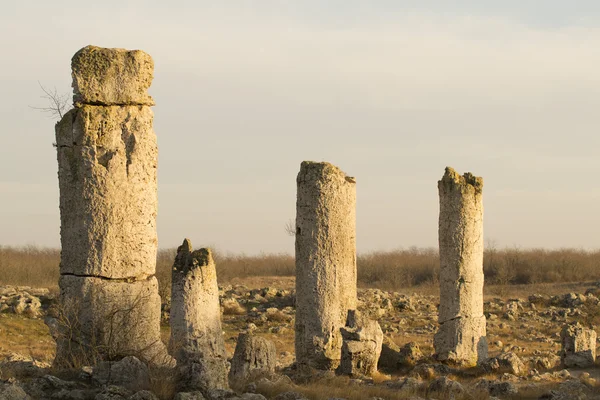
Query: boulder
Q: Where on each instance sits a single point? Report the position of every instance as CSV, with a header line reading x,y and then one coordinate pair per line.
x,y
504,363
253,354
363,339
578,346
128,372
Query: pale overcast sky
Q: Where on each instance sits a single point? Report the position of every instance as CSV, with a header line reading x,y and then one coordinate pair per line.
x,y
390,91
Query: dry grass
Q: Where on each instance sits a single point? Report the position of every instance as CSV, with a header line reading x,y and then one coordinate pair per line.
x,y
25,336
29,266
393,270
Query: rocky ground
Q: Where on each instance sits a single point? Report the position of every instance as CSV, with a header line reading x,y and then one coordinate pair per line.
x,y
523,334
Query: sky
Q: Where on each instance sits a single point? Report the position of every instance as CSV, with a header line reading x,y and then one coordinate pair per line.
x,y
390,91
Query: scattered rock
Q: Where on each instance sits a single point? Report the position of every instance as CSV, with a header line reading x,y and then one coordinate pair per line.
x,y
578,346
143,395
505,362
390,355
10,390
445,387
189,396
362,344
410,354
429,371
290,396
128,372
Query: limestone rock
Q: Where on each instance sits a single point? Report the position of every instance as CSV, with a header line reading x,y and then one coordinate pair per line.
x,y
221,394
325,262
189,396
26,304
12,391
104,76
578,346
108,318
40,388
196,332
195,310
390,355
143,395
445,388
496,388
113,392
464,340
410,354
107,158
253,354
462,334
429,371
128,372
203,373
405,386
504,363
362,344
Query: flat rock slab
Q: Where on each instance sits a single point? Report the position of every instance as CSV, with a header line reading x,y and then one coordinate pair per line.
x,y
104,76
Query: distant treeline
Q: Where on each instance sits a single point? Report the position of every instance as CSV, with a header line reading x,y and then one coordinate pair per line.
x,y
391,270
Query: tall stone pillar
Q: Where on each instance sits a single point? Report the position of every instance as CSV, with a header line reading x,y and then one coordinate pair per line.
x,y
325,262
196,333
107,160
462,334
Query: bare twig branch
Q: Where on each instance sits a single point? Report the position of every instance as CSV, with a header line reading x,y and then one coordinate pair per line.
x,y
290,228
58,103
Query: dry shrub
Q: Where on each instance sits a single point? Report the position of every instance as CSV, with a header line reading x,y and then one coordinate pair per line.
x,y
517,266
29,266
397,269
389,270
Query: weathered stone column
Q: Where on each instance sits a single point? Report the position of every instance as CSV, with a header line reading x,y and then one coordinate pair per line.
x,y
196,333
325,262
461,337
107,160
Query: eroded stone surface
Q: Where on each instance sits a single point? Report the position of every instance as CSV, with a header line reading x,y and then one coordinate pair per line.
x,y
253,354
363,340
325,262
107,319
578,346
128,372
462,340
196,333
103,76
462,336
107,160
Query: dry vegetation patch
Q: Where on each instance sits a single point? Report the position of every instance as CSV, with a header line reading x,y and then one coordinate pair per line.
x,y
391,270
